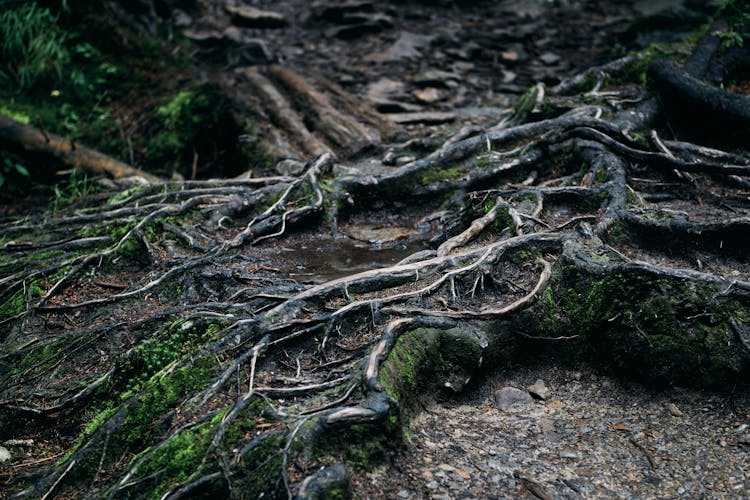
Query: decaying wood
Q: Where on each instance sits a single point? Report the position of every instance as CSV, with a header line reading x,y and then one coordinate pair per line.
x,y
52,151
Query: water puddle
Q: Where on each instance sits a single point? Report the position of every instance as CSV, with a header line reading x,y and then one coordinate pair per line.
x,y
323,260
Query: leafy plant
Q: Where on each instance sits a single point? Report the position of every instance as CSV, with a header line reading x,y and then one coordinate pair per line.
x,y
186,125
32,46
737,13
67,192
11,166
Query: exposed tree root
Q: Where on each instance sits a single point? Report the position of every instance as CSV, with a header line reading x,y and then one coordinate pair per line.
x,y
210,370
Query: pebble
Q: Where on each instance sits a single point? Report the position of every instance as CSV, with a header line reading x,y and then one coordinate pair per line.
x,y
250,17
568,454
539,389
510,399
4,454
549,58
673,410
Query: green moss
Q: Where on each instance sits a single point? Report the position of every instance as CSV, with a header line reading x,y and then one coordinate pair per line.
x,y
244,425
176,461
525,256
338,493
434,175
259,470
400,371
646,327
125,194
16,303
175,340
162,393
39,358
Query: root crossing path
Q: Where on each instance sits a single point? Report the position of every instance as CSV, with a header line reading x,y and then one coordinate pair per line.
x,y
204,337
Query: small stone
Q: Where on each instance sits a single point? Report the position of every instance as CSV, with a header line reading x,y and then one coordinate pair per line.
x,y
427,95
673,410
435,78
508,76
568,454
407,46
744,439
510,399
509,55
432,485
549,58
403,494
539,390
290,167
250,17
546,425
4,454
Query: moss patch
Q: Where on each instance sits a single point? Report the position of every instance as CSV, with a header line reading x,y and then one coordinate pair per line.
x,y
643,326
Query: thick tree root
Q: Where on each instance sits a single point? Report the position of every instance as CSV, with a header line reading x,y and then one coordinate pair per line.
x,y
160,334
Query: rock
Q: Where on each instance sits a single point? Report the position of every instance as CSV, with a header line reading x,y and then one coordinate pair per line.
x,y
568,454
427,95
546,425
229,46
549,58
435,78
524,8
647,8
673,410
514,54
250,17
391,106
181,19
427,117
408,46
510,399
539,390
4,454
380,235
290,167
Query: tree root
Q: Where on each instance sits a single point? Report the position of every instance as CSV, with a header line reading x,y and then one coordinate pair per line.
x,y
560,231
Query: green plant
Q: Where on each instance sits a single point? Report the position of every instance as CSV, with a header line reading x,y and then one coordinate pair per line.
x,y
32,46
10,166
194,124
67,192
737,13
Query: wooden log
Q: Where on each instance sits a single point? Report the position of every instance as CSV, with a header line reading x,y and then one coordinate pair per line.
x,y
54,151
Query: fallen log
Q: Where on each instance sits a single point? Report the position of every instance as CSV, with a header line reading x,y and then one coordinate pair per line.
x,y
54,151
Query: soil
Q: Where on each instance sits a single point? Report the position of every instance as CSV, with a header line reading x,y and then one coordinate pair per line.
x,y
594,436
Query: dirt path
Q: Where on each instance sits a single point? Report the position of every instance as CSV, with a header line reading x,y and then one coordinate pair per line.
x,y
192,338
593,437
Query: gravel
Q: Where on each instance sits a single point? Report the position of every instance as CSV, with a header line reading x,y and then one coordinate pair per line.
x,y
595,437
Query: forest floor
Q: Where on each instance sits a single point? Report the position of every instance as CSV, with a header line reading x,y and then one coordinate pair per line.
x,y
426,72
592,437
